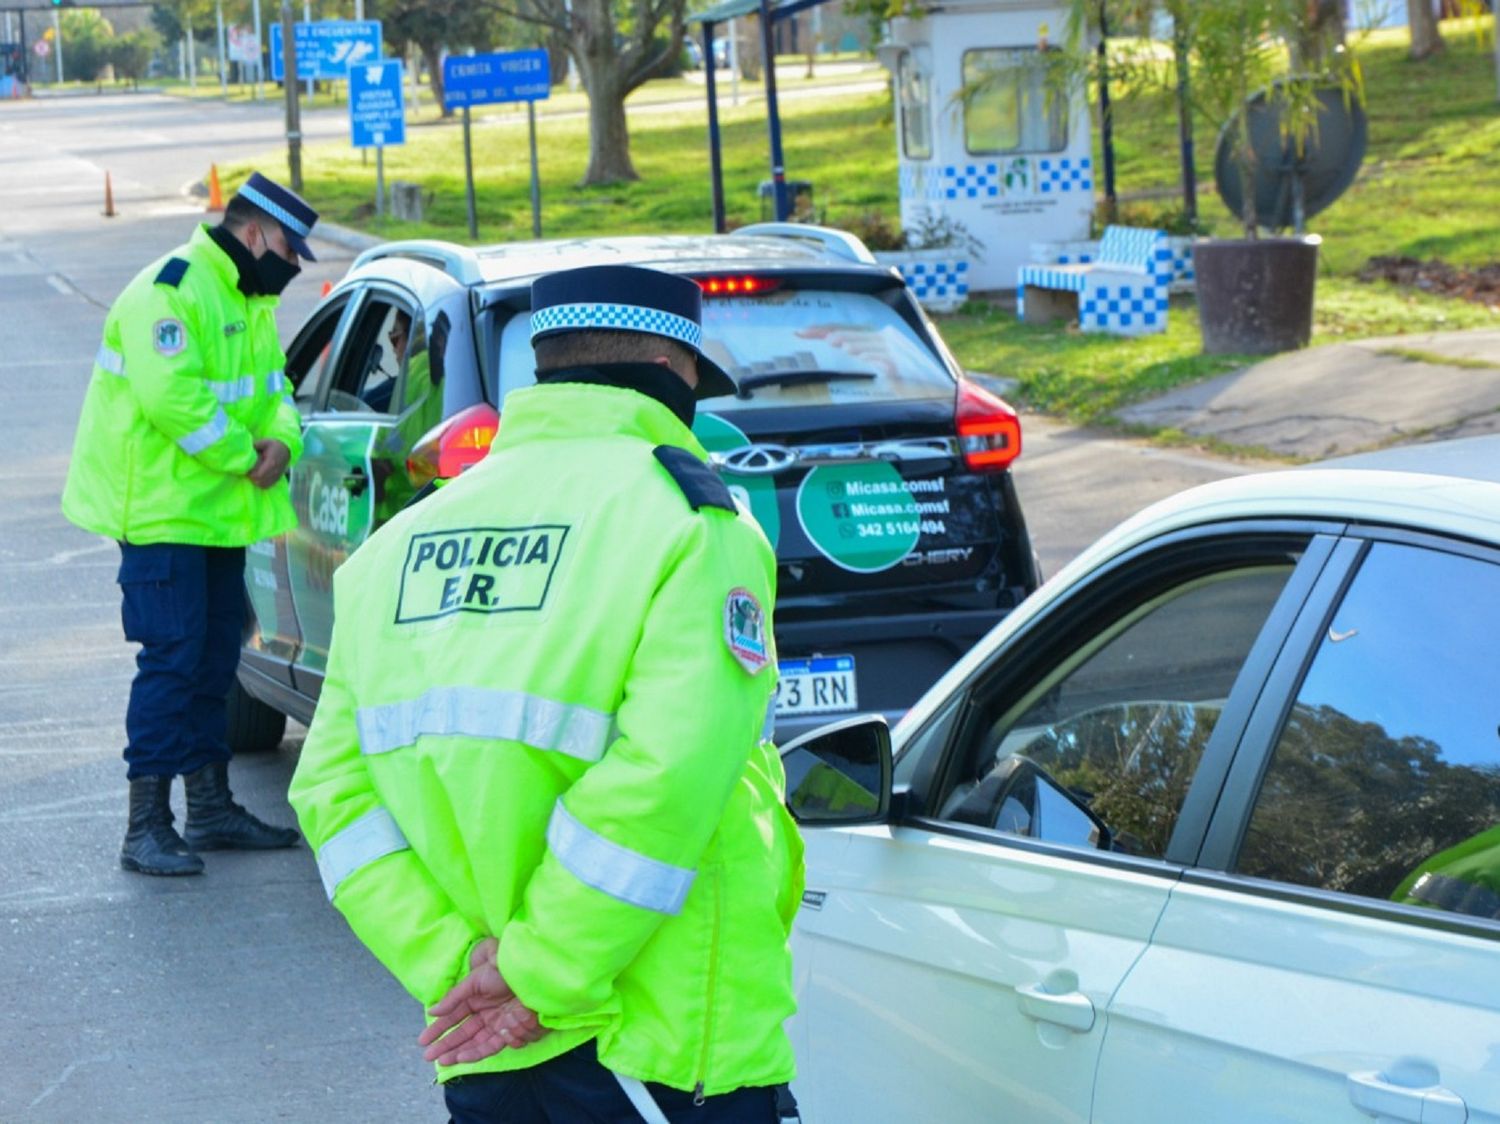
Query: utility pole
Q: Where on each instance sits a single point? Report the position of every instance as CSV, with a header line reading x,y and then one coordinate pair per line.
x,y
223,67
289,84
259,75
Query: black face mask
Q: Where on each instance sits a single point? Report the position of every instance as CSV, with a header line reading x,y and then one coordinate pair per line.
x,y
274,273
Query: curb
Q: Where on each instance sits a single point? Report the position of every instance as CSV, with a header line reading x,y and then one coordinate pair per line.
x,y
345,238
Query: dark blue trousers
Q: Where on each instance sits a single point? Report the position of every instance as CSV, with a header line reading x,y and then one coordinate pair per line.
x,y
185,607
574,1088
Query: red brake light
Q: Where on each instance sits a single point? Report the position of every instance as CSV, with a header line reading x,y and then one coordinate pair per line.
x,y
989,432
737,286
454,445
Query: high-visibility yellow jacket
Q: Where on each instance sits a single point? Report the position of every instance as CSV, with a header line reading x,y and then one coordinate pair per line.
x,y
543,719
188,376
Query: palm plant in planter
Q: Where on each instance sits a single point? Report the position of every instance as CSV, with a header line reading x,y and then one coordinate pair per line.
x,y
1255,294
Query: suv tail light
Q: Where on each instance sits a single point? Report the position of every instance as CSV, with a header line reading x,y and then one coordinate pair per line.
x,y
739,286
989,432
454,445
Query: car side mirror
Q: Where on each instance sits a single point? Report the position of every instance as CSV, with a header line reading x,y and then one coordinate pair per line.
x,y
840,774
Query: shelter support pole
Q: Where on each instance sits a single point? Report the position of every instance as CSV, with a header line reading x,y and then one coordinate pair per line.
x,y
1106,116
715,165
1185,123
773,113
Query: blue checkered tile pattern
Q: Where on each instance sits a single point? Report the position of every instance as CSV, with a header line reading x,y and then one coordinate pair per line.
x,y
971,181
941,286
919,182
1125,309
1184,279
618,317
1064,173
1123,291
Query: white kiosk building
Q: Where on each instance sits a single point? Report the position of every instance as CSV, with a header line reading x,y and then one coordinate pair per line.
x,y
986,149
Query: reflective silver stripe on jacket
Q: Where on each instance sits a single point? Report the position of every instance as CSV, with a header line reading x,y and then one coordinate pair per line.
x,y
232,390
373,836
110,359
275,382
205,435
623,874
481,712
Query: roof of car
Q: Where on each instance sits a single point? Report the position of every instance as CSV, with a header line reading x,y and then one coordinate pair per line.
x,y
1450,488
760,246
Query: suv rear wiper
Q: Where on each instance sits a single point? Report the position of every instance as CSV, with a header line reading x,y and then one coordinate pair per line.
x,y
796,378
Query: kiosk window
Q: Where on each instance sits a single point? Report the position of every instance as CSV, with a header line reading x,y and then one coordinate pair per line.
x,y
915,91
1007,104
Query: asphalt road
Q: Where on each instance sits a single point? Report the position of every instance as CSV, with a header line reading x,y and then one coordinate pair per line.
x,y
240,995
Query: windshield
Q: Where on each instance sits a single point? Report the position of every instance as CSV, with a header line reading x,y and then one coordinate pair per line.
x,y
794,347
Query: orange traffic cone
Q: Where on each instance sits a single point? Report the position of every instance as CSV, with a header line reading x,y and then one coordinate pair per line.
x,y
215,193
109,198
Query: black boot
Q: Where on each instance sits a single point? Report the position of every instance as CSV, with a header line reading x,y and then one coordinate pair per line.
x,y
216,823
152,845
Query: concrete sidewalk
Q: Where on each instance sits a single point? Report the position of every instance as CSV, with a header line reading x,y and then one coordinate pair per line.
x,y
1343,397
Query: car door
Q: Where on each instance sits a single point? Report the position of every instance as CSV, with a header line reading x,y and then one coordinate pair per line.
x,y
979,939
1338,956
351,475
276,639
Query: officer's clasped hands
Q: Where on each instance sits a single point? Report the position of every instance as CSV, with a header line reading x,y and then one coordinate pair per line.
x,y
271,461
479,1016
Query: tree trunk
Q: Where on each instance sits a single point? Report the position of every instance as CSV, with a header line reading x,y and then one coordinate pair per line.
x,y
1425,38
748,48
609,135
1317,38
432,59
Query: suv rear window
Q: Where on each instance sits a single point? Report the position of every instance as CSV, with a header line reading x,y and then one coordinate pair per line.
x,y
785,332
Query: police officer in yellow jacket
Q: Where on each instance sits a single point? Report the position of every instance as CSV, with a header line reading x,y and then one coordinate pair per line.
x,y
538,781
184,441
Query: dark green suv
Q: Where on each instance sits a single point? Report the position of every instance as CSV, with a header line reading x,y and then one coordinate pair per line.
x,y
877,470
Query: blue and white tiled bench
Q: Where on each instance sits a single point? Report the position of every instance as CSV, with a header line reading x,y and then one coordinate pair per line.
x,y
1124,290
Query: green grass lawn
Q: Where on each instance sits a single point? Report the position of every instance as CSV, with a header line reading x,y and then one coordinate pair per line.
x,y
1428,188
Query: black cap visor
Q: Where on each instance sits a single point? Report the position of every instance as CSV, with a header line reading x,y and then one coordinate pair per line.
x,y
298,243
713,380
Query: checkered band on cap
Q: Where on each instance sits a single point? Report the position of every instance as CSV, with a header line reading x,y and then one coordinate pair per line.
x,y
275,210
618,317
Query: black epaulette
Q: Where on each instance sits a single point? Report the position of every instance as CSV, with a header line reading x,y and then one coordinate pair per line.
x,y
172,272
699,483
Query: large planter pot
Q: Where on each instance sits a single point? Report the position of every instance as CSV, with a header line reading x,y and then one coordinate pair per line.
x,y
1255,296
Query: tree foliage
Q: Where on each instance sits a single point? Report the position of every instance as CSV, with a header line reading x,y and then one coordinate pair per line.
x,y
87,37
617,45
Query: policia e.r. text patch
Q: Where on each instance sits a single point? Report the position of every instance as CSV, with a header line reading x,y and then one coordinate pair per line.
x,y
478,570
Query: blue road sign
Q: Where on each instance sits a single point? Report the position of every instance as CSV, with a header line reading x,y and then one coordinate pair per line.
x,y
327,48
376,111
487,79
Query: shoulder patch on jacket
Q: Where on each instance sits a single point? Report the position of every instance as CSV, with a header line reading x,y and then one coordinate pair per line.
x,y
699,483
172,272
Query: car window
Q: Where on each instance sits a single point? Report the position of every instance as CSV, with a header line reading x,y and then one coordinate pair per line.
x,y
308,356
375,358
771,339
1385,780
1100,752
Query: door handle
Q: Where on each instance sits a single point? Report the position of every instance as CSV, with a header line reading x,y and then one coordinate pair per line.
x,y
356,481
1375,1095
1071,1010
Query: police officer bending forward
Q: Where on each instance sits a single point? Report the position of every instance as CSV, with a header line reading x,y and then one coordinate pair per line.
x,y
185,438
537,782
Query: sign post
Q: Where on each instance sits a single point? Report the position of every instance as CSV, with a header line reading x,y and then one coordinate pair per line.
x,y
377,115
490,79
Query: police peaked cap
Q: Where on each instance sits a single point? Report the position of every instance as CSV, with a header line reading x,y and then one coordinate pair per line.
x,y
627,298
286,207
